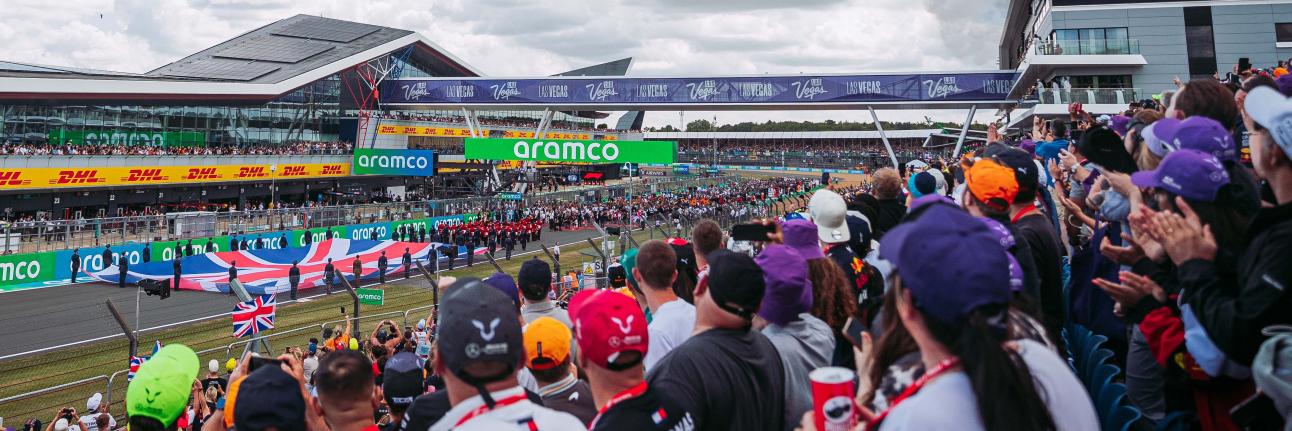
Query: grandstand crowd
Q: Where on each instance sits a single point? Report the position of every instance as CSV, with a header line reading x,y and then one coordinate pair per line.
x,y
1121,273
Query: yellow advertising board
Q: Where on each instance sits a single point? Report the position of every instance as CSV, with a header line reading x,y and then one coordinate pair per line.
x,y
45,178
443,132
570,136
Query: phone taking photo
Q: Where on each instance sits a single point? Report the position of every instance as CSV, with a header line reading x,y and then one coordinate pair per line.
x,y
852,330
751,232
257,362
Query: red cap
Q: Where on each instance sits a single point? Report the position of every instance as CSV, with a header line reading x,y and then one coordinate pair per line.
x,y
607,323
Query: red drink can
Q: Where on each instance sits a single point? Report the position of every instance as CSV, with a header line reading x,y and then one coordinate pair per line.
x,y
833,398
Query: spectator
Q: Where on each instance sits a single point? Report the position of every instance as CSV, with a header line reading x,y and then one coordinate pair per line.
x,y
161,388
614,339
653,270
344,382
947,301
829,213
726,375
213,379
401,383
310,364
535,279
481,382
1042,240
90,419
804,342
547,356
833,300
888,192
706,237
272,398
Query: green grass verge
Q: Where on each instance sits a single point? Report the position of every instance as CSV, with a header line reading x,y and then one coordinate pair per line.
x,y
211,338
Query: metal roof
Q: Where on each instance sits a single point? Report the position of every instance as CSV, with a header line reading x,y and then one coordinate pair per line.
x,y
859,134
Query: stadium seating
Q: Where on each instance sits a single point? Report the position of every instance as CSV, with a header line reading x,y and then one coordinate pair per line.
x,y
1089,359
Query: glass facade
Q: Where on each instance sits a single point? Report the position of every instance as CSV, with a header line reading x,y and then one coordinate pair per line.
x,y
1091,41
312,113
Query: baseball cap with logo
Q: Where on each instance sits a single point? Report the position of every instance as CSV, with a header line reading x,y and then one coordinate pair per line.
x,y
1153,134
403,380
478,324
162,385
1191,174
991,183
608,324
828,210
735,283
950,262
547,343
1202,134
1274,112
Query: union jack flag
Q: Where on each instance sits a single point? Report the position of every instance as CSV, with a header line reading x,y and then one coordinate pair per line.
x,y
251,317
135,362
266,271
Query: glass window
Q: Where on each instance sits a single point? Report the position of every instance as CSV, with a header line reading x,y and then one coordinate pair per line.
x,y
1283,32
1118,42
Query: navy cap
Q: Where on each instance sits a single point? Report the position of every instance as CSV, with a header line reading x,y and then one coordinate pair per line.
x,y
402,380
950,262
478,323
735,282
534,272
504,284
269,398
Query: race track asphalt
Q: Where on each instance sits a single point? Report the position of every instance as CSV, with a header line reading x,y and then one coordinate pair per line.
x,y
42,318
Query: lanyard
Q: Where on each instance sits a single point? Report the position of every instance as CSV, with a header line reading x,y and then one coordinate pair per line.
x,y
485,408
944,366
1025,211
632,392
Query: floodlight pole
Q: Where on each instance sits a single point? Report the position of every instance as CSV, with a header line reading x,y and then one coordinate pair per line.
x,y
125,327
883,136
964,131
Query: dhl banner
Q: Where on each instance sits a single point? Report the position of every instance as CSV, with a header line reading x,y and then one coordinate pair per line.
x,y
446,132
44,178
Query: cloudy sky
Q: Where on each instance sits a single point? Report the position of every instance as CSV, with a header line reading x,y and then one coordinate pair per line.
x,y
526,37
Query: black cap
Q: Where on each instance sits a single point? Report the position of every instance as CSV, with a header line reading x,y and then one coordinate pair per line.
x,y
478,324
1025,172
618,277
859,228
735,282
1105,148
534,272
402,380
269,398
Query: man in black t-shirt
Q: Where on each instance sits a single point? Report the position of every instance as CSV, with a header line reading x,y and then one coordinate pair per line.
x,y
1038,235
726,375
612,337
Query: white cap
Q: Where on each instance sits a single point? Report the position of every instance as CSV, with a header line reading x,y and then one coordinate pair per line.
x,y
213,366
93,403
829,212
1270,109
60,425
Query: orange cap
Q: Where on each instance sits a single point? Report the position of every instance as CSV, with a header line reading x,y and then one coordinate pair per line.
x,y
547,343
991,183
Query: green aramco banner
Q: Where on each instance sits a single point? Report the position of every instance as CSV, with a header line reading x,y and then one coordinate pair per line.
x,y
539,150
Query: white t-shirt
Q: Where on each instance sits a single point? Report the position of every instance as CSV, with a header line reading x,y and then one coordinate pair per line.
x,y
669,327
88,422
308,365
518,414
949,403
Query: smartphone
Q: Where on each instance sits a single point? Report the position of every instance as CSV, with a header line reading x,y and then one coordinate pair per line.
x,y
750,232
342,310
852,330
257,362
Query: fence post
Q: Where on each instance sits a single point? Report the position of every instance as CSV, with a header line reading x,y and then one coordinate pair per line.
x,y
355,296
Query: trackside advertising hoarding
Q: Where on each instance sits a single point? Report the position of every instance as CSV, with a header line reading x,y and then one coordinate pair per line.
x,y
598,152
408,163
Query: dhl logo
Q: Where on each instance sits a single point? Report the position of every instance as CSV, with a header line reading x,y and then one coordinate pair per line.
x,y
294,171
84,176
332,170
202,174
12,178
144,175
252,172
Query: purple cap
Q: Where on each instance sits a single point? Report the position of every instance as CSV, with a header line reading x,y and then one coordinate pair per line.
x,y
503,283
950,262
1006,239
1028,145
801,236
1202,134
1189,173
1120,124
1285,85
927,200
789,290
1153,132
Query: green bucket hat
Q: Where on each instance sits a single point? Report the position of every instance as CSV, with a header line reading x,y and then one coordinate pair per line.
x,y
161,388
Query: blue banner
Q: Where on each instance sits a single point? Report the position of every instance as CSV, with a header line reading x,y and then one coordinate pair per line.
x,y
983,86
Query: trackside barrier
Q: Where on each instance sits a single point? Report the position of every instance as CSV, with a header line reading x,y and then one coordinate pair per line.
x,y
57,395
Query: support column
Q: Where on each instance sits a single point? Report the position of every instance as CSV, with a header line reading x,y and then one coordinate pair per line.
x,y
883,136
964,131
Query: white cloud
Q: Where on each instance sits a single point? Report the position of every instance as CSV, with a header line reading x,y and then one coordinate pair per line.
x,y
523,37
